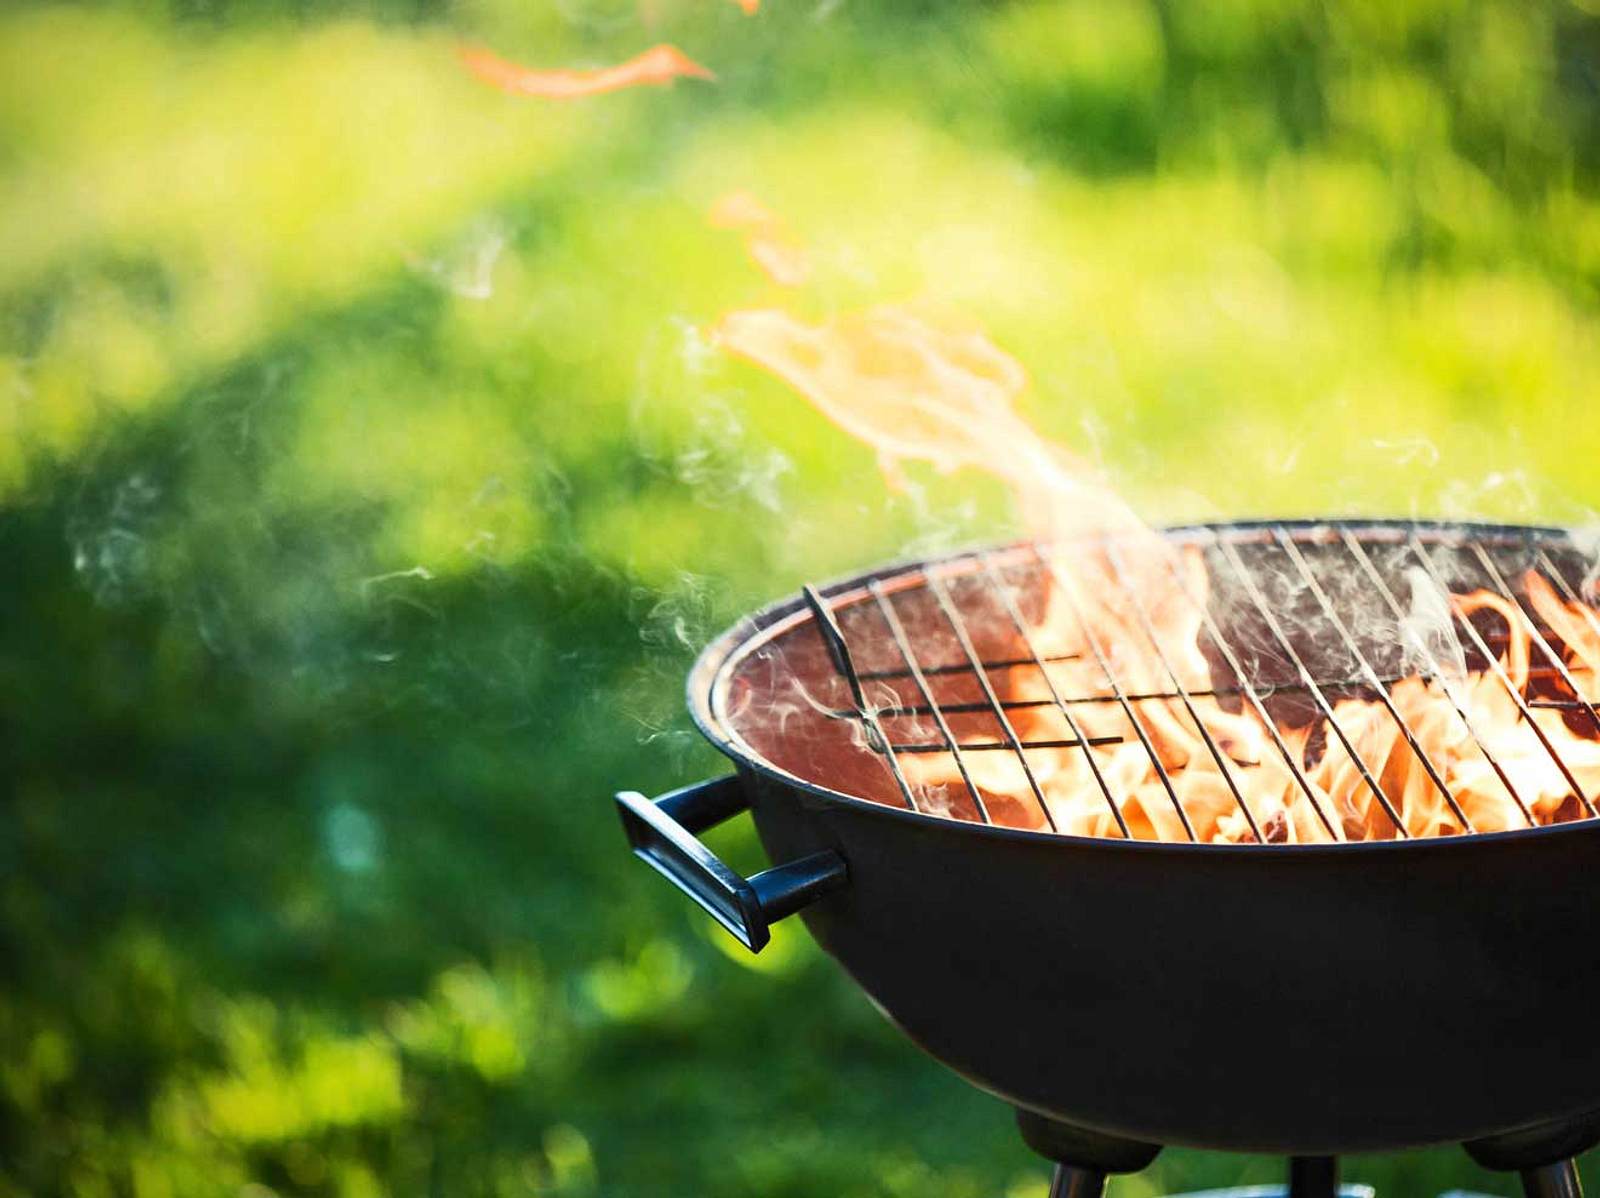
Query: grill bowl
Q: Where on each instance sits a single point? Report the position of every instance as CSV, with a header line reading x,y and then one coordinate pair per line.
x,y
1274,998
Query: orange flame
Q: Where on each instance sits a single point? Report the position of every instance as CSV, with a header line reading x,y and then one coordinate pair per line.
x,y
655,67
766,239
918,390
1127,600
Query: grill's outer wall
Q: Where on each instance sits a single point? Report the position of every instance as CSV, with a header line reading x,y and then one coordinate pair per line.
x,y
1287,999
1277,1001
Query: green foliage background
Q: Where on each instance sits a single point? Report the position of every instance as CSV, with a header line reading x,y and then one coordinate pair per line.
x,y
367,483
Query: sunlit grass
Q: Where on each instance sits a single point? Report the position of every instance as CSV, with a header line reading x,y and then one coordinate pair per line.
x,y
176,200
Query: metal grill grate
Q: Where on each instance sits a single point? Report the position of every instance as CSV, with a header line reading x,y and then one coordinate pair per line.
x,y
1288,626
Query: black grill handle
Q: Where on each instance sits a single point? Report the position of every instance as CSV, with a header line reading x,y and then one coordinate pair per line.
x,y
663,835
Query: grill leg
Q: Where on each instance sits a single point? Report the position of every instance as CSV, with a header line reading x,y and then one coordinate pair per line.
x,y
1313,1176
1558,1180
1083,1158
1542,1154
1073,1181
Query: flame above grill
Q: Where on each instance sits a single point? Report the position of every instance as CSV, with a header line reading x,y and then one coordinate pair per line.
x,y
1113,700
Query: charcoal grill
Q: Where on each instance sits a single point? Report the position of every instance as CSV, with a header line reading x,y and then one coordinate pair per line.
x,y
1122,993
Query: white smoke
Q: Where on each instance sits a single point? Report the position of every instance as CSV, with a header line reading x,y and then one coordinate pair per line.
x,y
1427,633
1586,537
111,540
1408,451
466,268
1508,494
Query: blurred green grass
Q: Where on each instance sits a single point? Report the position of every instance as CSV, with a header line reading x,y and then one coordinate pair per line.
x,y
367,482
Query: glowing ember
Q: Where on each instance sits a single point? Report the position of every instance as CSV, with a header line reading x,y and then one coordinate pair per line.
x,y
655,67
1115,598
766,239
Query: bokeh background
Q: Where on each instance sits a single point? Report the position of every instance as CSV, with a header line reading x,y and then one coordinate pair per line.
x,y
368,481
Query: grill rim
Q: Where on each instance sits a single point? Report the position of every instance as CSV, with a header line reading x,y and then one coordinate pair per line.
x,y
707,678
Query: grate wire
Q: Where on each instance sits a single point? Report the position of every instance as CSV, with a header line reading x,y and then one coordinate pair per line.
x,y
940,583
